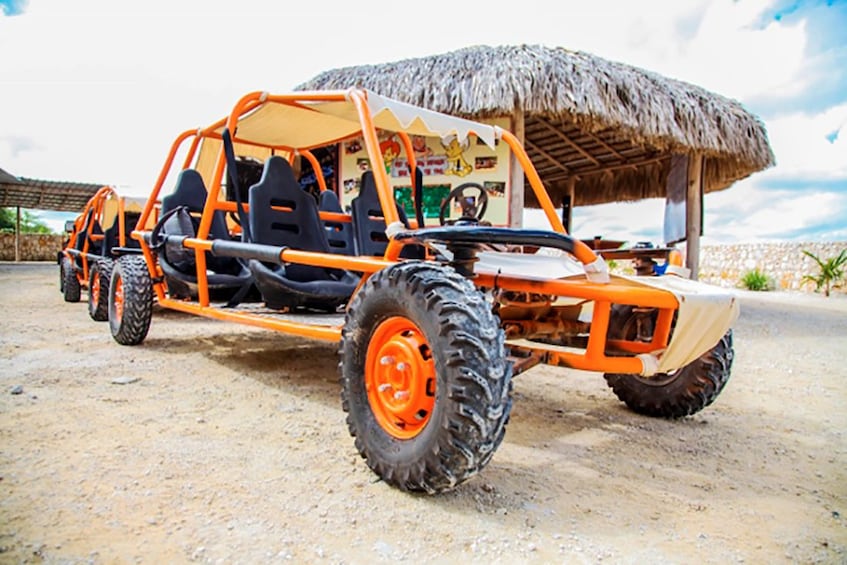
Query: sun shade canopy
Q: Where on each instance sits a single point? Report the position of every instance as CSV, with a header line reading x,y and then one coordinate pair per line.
x,y
303,125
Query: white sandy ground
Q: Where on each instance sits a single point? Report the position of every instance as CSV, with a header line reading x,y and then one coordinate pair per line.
x,y
232,448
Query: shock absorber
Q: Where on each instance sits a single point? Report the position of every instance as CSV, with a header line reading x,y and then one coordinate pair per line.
x,y
464,257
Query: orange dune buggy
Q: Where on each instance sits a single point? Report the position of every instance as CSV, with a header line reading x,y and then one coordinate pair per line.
x,y
97,236
433,317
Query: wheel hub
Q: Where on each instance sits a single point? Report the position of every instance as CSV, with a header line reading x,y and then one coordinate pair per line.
x,y
119,299
95,290
400,377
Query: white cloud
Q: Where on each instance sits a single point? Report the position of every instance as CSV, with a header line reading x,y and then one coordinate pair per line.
x,y
752,212
631,221
713,44
747,212
803,148
731,56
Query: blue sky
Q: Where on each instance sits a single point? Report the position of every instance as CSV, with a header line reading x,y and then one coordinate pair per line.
x,y
96,90
12,7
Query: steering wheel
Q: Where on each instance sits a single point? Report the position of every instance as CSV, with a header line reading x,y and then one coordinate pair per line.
x,y
473,206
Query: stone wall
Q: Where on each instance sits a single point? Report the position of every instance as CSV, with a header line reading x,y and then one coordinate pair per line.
x,y
784,263
34,247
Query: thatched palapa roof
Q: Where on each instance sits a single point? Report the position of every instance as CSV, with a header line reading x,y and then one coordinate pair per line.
x,y
610,126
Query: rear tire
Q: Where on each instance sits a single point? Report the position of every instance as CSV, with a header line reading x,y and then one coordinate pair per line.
x,y
99,279
130,300
70,289
684,392
425,381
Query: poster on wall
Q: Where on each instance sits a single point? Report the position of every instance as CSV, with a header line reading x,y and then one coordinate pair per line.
x,y
444,163
433,196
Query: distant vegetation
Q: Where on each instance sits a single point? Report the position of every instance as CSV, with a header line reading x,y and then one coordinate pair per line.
x,y
831,271
756,280
29,223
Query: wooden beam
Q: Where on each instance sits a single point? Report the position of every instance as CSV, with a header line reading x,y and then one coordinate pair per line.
x,y
634,164
694,214
605,145
630,165
561,135
516,175
553,161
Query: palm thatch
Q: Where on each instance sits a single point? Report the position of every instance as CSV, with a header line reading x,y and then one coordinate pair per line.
x,y
609,126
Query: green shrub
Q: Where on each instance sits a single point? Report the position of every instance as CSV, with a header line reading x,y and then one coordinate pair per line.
x,y
756,280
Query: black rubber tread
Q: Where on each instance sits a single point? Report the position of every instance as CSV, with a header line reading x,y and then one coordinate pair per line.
x,y
132,327
62,268
681,393
473,394
98,306
70,289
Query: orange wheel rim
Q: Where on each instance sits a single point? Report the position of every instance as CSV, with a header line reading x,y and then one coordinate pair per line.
x,y
95,291
119,299
400,377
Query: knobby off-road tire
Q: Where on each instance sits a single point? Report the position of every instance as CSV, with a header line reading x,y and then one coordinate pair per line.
x,y
100,277
62,261
70,288
425,381
130,300
681,393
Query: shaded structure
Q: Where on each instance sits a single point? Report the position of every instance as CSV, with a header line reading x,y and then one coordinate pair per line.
x,y
597,131
36,194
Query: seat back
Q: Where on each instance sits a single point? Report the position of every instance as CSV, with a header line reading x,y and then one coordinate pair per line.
x,y
368,219
95,246
339,235
297,226
82,234
191,192
110,239
130,221
111,236
89,229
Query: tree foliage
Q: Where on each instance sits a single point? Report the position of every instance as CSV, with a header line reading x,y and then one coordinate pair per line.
x,y
29,223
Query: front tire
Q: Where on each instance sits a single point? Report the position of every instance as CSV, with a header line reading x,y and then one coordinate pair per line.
x,y
62,260
130,300
99,280
425,381
683,392
70,289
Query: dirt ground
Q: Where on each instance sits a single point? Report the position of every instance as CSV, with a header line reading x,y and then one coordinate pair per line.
x,y
231,447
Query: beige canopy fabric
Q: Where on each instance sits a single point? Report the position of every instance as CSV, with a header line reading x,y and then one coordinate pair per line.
x,y
705,314
314,124
210,148
110,209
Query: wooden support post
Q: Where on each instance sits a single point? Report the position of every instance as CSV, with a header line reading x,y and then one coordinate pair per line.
x,y
694,214
516,176
18,235
571,203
